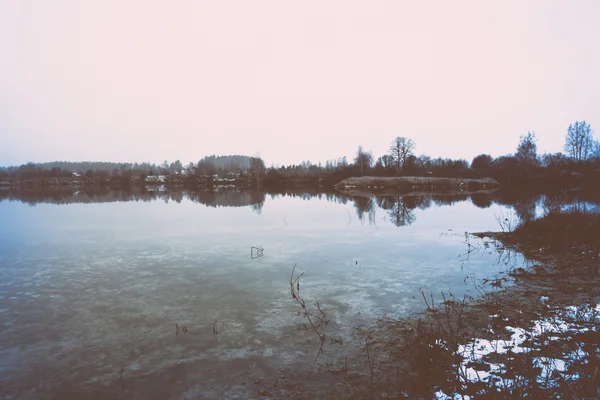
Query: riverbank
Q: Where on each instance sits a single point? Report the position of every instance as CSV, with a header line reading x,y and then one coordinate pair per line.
x,y
376,185
395,191
538,336
532,332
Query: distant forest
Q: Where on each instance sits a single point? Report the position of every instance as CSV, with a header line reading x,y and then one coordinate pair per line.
x,y
220,164
125,174
580,163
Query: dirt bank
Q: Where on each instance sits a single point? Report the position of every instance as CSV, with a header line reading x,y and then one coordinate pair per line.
x,y
394,191
413,183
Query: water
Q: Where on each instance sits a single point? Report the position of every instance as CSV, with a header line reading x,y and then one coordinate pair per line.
x,y
90,292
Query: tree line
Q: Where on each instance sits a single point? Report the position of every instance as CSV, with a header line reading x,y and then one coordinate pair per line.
x,y
580,160
210,165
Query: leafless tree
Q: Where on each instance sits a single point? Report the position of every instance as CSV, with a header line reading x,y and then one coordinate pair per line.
x,y
386,161
595,149
165,167
579,141
527,149
257,165
400,149
363,160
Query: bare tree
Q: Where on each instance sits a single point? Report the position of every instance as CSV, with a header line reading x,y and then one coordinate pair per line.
x,y
424,161
257,165
165,167
363,160
527,149
342,162
385,162
400,149
579,141
595,149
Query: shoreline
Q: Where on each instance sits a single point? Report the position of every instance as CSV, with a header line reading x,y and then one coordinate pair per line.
x,y
376,185
462,347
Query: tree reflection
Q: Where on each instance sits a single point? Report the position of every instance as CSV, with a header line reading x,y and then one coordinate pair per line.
x,y
364,205
399,209
401,214
386,202
257,200
448,200
176,197
551,204
481,200
257,208
525,209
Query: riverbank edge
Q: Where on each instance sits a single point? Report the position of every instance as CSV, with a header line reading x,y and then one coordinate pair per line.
x,y
376,185
408,356
552,281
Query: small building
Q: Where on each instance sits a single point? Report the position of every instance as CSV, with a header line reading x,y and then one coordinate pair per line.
x,y
156,179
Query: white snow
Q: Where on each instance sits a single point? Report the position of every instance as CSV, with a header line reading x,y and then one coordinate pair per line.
x,y
476,350
443,396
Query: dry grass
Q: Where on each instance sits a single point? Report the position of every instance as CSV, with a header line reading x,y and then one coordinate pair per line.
x,y
557,232
316,318
562,230
415,182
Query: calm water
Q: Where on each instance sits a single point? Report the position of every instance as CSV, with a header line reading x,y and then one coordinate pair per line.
x,y
90,292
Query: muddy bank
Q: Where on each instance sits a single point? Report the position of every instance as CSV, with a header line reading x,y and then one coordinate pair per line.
x,y
412,183
534,331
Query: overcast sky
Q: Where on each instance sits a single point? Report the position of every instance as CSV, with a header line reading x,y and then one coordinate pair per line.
x,y
147,80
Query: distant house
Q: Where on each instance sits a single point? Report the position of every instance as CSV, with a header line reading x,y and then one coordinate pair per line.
x,y
156,179
75,174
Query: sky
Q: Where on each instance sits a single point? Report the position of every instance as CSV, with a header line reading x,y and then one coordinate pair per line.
x,y
148,80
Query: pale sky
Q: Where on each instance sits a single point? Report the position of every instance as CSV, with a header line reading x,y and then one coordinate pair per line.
x,y
147,80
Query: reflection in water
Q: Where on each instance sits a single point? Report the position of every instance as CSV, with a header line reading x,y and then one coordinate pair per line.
x,y
228,197
481,200
365,205
526,210
399,209
400,213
